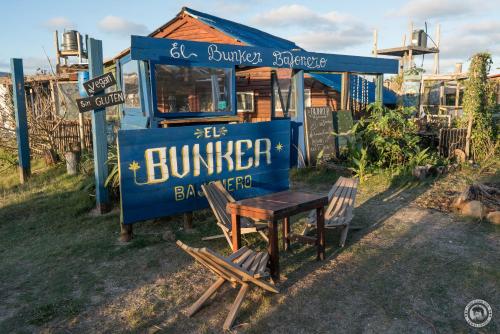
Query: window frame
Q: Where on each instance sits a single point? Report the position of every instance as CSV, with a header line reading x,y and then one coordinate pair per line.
x,y
285,93
192,114
250,92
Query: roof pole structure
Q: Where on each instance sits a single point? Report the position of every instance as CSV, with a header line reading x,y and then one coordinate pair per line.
x,y
99,138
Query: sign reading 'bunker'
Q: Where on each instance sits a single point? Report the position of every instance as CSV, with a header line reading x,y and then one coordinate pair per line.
x,y
162,170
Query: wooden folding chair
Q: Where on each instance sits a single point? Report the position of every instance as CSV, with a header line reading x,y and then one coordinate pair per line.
x,y
242,267
218,198
340,206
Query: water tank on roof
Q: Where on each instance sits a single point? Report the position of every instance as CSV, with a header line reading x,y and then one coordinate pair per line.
x,y
70,41
419,38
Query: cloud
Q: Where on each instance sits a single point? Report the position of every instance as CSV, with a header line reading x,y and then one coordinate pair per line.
x,y
315,31
428,9
59,22
471,38
324,41
30,65
120,26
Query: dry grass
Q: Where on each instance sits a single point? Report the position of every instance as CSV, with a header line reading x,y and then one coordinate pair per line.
x,y
408,269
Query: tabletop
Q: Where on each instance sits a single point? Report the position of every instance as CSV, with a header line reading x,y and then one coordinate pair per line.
x,y
277,205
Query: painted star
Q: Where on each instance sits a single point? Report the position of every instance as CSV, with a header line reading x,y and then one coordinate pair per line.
x,y
134,166
279,147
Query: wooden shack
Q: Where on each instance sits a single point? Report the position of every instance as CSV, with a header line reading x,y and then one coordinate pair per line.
x,y
258,89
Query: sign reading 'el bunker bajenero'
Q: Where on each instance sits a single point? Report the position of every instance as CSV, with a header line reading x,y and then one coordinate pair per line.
x,y
162,170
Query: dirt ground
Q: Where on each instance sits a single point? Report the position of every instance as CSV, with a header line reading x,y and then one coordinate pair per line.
x,y
406,269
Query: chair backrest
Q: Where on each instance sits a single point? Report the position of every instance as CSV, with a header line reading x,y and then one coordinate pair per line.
x,y
218,198
222,267
341,197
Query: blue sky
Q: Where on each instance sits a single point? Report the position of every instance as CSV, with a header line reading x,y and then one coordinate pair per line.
x,y
330,26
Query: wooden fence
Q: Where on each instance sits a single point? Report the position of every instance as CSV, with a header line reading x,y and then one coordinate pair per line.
x,y
67,133
450,140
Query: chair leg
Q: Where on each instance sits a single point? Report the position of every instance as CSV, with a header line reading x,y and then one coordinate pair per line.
x,y
343,235
228,238
210,291
306,229
236,306
263,235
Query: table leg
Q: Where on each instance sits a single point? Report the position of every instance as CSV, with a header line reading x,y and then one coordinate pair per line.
x,y
320,233
236,231
272,248
286,233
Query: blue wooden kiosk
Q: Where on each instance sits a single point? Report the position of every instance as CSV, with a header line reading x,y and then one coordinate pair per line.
x,y
161,168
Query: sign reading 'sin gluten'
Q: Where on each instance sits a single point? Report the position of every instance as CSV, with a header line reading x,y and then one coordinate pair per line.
x,y
320,142
162,170
100,101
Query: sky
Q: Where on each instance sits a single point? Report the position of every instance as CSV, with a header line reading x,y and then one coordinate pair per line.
x,y
342,27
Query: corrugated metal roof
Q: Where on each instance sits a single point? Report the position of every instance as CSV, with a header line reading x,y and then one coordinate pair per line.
x,y
256,37
243,33
357,84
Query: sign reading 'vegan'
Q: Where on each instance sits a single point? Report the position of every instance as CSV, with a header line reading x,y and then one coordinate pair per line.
x,y
162,170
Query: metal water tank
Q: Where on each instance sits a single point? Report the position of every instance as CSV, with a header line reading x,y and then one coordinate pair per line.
x,y
419,38
70,41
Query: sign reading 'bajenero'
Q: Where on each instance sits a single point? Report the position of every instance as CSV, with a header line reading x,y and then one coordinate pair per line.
x,y
162,170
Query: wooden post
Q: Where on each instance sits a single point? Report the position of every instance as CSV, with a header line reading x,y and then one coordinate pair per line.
x,y
379,89
58,53
344,92
375,43
126,232
436,55
298,136
99,131
188,221
19,95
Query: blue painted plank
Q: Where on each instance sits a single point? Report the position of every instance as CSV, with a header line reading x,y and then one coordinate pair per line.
x,y
23,148
99,138
159,175
166,50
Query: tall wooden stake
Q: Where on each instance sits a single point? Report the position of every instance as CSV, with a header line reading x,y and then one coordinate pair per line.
x,y
18,95
99,137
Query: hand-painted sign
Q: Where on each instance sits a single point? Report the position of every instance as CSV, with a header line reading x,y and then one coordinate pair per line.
x,y
320,142
171,50
162,170
101,101
99,84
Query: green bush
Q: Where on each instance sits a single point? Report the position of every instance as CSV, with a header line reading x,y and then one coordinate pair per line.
x,y
386,139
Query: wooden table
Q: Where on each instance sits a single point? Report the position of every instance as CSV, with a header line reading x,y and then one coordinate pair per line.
x,y
272,208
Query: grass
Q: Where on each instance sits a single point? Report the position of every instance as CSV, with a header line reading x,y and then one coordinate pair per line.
x,y
63,269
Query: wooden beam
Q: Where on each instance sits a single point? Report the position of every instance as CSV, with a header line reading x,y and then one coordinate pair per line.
x,y
99,137
298,133
344,92
379,89
19,94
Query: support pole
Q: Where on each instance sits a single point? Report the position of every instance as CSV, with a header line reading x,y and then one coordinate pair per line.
x,y
99,131
19,95
379,89
375,43
436,55
344,92
298,147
